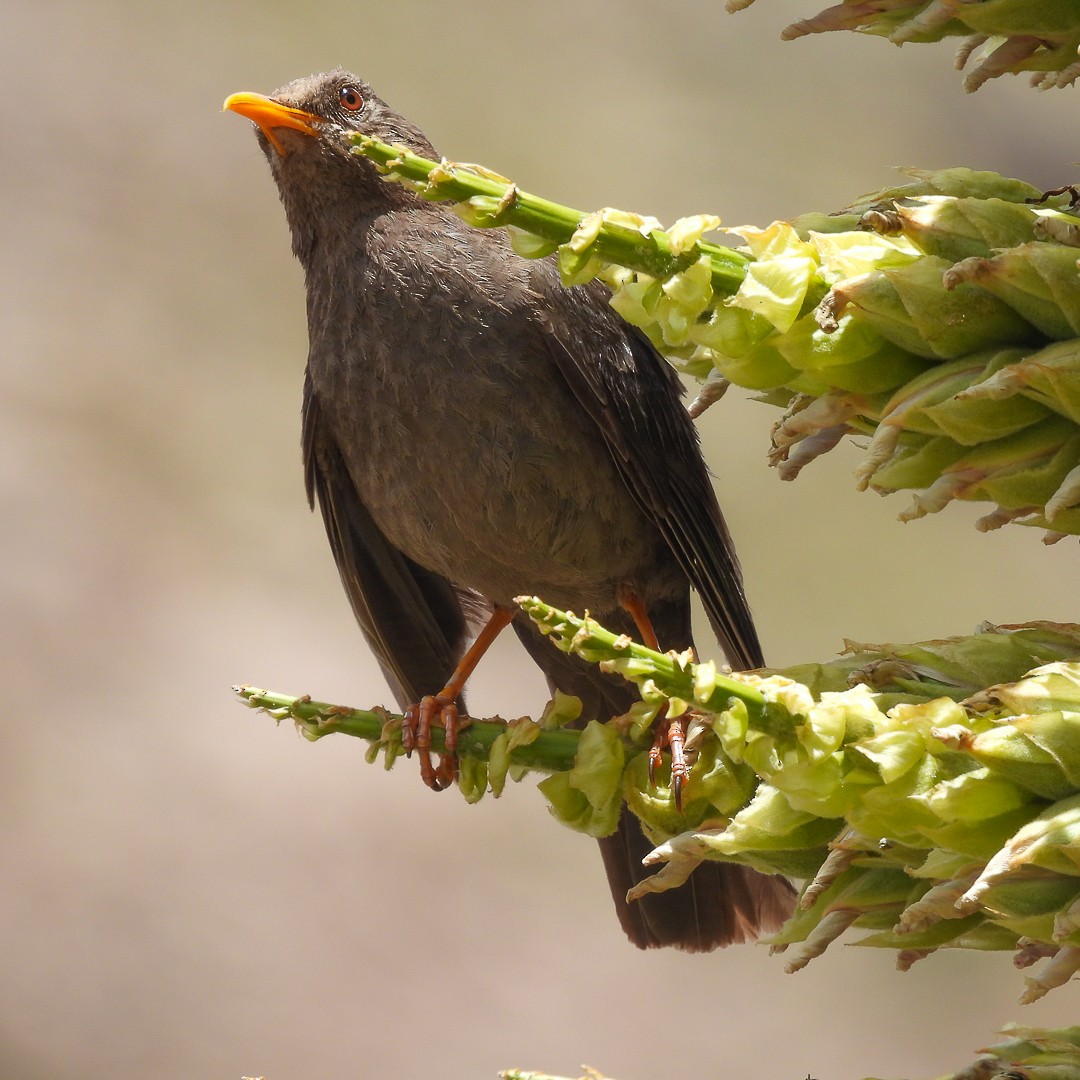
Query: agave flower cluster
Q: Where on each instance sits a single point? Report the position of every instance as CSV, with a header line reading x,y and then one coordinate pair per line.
x,y
938,318
999,36
1039,1054
913,804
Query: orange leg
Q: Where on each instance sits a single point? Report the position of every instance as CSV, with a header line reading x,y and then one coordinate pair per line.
x,y
631,603
441,709
669,730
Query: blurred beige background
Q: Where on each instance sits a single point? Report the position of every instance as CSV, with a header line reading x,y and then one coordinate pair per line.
x,y
189,892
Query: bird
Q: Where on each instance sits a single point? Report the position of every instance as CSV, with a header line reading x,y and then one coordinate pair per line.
x,y
474,431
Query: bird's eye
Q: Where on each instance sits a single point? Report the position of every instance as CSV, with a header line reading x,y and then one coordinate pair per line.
x,y
351,99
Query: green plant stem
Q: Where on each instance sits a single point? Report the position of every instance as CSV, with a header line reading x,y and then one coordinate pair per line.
x,y
621,244
589,640
551,751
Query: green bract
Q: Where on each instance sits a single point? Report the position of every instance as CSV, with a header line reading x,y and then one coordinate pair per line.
x,y
1003,36
916,801
956,302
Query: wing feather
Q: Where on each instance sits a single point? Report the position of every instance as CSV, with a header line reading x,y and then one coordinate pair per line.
x,y
412,618
634,397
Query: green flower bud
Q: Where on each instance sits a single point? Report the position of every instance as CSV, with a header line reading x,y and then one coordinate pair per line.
x,y
1045,18
816,222
768,825
956,228
1050,376
1038,280
1052,688
935,403
1008,752
472,778
1025,469
957,182
853,357
971,420
530,246
1033,893
909,306
1021,471
916,462
968,932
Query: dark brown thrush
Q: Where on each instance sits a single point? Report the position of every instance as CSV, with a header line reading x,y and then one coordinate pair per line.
x,y
473,431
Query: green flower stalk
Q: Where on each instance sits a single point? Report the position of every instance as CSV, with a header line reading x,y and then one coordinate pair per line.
x,y
928,793
539,227
1024,1052
938,316
918,344
934,822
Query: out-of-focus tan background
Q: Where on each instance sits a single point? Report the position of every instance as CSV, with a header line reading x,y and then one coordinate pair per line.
x,y
189,892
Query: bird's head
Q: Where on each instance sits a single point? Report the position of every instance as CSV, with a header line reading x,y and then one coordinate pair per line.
x,y
304,128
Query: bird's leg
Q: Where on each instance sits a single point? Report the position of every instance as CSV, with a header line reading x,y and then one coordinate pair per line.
x,y
441,709
670,732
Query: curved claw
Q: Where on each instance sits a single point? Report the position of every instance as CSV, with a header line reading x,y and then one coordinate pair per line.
x,y
670,733
416,735
655,754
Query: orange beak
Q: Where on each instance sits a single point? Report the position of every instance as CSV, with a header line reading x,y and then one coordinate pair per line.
x,y
270,114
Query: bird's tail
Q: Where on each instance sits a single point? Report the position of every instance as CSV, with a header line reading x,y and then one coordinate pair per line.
x,y
721,903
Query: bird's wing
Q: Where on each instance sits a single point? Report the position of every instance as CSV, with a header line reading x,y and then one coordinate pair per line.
x,y
633,396
412,618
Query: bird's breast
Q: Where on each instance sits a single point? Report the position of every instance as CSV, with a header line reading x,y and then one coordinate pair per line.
x,y
464,442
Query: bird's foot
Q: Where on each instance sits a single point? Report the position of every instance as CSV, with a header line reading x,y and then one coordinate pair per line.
x,y
438,711
671,735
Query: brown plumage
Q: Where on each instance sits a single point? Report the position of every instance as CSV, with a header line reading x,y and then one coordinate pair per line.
x,y
473,431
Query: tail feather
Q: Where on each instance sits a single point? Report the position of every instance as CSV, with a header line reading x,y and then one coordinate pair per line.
x,y
721,903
